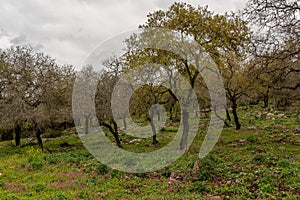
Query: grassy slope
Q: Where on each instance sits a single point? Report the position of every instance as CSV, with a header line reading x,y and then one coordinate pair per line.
x,y
261,161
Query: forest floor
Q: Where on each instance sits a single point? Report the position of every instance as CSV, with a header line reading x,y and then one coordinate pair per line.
x,y
260,161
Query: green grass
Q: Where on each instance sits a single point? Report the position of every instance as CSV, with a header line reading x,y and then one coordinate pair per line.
x,y
260,161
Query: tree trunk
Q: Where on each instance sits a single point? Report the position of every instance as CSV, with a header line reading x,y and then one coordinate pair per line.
x,y
38,134
171,114
150,119
266,101
124,123
86,125
116,134
18,130
78,122
39,139
228,115
91,122
197,113
158,115
185,118
235,116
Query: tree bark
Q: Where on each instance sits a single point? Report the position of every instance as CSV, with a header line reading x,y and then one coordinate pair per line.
x,y
185,117
197,113
124,123
150,119
38,134
235,116
158,115
116,134
91,121
171,114
266,99
113,128
86,125
228,115
18,130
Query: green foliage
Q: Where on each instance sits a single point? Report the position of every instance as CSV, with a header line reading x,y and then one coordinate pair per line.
x,y
53,134
60,197
101,169
207,169
251,138
36,165
248,164
39,187
199,187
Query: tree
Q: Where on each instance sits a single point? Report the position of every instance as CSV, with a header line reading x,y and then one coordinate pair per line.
x,y
33,87
222,36
107,81
86,79
275,46
144,103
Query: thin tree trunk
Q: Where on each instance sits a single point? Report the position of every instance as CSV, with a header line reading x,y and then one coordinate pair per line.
x,y
86,125
171,114
150,119
124,123
18,130
235,116
38,134
266,99
158,115
91,121
228,115
116,134
185,117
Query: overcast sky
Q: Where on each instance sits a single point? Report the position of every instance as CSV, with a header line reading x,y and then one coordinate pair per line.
x,y
69,29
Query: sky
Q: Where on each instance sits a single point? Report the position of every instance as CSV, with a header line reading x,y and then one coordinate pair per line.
x,y
68,30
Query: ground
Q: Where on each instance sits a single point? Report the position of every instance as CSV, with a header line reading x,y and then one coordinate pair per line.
x,y
260,161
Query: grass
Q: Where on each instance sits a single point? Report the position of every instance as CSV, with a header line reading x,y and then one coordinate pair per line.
x,y
260,161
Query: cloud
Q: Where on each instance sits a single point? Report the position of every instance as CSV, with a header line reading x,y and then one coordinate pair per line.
x,y
69,29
